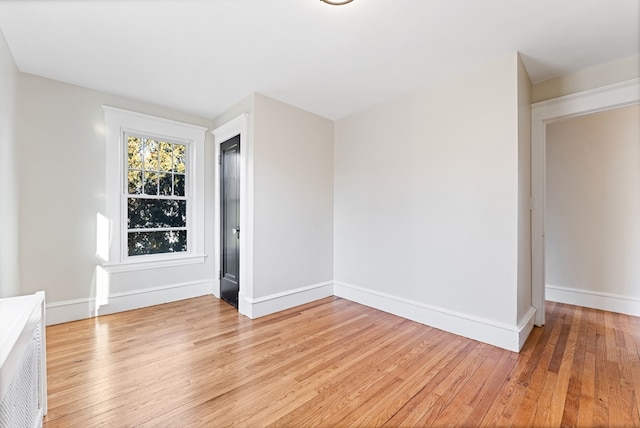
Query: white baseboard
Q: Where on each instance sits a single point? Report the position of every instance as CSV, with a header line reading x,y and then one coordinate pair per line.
x,y
255,308
594,299
501,335
504,336
72,310
525,326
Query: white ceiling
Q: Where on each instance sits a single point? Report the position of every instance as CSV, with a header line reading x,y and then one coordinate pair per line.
x,y
202,56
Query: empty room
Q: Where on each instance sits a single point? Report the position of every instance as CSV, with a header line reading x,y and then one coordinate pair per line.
x,y
319,213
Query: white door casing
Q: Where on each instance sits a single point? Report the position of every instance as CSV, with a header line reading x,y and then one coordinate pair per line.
x,y
237,126
544,112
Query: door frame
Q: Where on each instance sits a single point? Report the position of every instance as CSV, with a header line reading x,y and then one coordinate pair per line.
x,y
234,127
544,112
227,224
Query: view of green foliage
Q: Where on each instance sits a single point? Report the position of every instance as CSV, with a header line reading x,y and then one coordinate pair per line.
x,y
156,177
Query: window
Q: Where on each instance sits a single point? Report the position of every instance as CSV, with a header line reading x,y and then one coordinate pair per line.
x,y
157,200
155,191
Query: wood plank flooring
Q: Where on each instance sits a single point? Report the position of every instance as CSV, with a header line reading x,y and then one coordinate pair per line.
x,y
334,363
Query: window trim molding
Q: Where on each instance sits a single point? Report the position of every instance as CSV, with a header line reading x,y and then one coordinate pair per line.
x,y
118,122
181,260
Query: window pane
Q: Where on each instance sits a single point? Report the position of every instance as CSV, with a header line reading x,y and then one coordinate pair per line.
x,y
151,154
151,183
156,168
179,158
165,184
178,184
166,156
140,243
135,182
134,151
154,213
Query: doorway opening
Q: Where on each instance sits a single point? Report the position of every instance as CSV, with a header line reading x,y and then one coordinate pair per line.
x,y
592,210
243,236
229,164
543,113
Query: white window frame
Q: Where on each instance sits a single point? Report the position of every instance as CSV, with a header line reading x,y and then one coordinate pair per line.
x,y
119,123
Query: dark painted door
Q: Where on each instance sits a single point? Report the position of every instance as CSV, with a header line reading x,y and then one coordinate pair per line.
x,y
230,220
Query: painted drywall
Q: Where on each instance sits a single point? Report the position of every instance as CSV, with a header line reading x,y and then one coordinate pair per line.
x,y
245,105
524,191
62,177
9,183
590,78
592,212
293,198
426,198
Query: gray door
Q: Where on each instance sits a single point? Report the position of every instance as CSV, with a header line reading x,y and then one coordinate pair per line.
x,y
230,220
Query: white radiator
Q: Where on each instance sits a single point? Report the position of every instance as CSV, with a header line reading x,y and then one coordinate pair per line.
x,y
23,383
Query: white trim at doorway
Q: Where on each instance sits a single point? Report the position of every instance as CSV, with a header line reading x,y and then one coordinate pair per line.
x,y
237,126
542,113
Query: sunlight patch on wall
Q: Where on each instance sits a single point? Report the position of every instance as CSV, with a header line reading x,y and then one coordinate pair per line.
x,y
102,237
102,288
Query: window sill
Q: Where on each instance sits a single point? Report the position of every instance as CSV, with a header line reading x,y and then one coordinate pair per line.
x,y
155,263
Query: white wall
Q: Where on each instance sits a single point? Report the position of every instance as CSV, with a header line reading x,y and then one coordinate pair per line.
x,y
592,217
245,105
427,199
290,169
62,141
9,184
524,191
293,198
62,177
589,78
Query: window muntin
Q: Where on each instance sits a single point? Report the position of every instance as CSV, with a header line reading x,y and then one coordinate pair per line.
x,y
156,196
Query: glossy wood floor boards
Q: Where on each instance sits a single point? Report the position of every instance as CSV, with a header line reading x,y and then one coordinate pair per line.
x,y
336,363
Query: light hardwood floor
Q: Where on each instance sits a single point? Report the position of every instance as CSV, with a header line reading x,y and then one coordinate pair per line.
x,y
336,363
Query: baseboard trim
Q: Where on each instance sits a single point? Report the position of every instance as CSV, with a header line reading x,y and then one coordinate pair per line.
x,y
73,310
501,335
255,308
526,326
593,299
504,336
